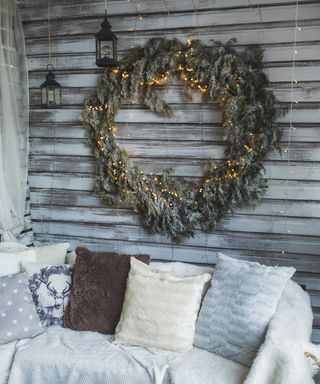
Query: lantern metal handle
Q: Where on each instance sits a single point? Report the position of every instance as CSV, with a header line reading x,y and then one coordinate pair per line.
x,y
50,67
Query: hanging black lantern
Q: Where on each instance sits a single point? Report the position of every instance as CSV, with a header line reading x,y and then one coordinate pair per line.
x,y
50,90
106,46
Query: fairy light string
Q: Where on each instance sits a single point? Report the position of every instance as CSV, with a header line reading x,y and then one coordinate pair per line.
x,y
201,124
113,128
135,28
160,81
166,17
291,128
49,31
54,120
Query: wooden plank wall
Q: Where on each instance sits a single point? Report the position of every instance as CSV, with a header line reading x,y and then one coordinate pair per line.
x,y
26,236
62,170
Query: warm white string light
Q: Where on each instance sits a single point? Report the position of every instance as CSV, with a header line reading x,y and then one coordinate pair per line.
x,y
138,17
163,119
293,101
49,31
166,18
166,6
119,201
54,125
197,17
201,123
136,7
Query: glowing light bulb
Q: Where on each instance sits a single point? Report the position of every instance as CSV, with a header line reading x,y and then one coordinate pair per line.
x,y
50,96
106,51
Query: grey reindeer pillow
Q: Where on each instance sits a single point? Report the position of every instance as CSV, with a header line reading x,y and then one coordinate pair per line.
x,y
18,317
50,286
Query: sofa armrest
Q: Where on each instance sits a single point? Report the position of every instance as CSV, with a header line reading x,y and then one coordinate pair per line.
x,y
293,317
281,358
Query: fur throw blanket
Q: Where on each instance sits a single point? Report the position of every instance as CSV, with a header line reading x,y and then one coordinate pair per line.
x,y
280,359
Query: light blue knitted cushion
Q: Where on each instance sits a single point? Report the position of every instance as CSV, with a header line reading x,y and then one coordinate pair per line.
x,y
237,309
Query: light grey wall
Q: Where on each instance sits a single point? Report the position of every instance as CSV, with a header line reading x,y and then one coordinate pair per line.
x,y
64,207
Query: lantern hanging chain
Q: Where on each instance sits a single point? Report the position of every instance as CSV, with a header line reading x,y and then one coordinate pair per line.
x,y
49,31
291,127
105,7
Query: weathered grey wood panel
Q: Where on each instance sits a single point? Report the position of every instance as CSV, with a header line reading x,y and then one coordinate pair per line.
x,y
284,229
26,236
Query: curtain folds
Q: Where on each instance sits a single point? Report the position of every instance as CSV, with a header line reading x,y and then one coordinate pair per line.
x,y
14,124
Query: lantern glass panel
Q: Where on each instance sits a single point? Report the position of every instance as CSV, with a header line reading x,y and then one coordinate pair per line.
x,y
106,50
98,49
57,96
43,96
51,96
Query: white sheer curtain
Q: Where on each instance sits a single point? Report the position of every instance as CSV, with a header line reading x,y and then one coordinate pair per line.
x,y
14,124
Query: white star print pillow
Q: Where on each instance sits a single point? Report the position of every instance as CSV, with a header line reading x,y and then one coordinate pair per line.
x,y
18,317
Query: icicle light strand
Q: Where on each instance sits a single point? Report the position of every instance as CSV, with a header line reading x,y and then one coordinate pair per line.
x,y
293,101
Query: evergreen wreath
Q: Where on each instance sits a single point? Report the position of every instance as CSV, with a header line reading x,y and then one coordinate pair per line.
x,y
172,205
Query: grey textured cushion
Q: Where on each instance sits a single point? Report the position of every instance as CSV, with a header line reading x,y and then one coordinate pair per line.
x,y
236,311
18,316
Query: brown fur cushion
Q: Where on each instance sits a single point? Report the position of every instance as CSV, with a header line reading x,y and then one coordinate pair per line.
x,y
99,284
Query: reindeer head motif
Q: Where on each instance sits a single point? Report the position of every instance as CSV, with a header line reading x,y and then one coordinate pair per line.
x,y
51,289
54,285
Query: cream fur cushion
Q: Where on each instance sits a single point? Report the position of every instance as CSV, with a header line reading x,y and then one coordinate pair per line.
x,y
54,254
178,269
159,310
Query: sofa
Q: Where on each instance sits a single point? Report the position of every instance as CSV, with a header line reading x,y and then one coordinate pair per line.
x,y
62,355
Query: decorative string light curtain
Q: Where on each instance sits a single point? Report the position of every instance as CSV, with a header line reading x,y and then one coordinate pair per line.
x,y
14,112
291,128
